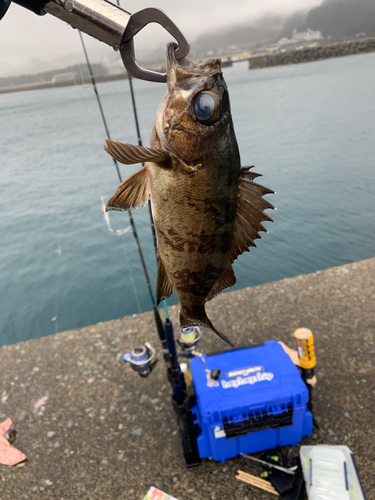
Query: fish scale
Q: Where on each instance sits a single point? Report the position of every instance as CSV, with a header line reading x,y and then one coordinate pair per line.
x,y
207,210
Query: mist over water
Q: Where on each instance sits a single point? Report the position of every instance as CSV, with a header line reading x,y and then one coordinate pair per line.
x,y
308,128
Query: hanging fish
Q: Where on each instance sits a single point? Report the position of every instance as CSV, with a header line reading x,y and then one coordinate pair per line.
x,y
207,210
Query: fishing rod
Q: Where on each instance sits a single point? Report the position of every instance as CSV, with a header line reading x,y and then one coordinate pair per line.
x,y
142,359
158,321
139,139
180,398
140,144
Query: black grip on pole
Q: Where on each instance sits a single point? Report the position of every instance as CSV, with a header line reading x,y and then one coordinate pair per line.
x,y
308,374
188,433
160,328
181,403
35,6
4,5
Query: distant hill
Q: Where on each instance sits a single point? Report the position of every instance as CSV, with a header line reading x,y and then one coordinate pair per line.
x,y
342,18
240,35
335,18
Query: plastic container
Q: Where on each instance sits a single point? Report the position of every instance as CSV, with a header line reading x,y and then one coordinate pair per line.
x,y
330,473
258,402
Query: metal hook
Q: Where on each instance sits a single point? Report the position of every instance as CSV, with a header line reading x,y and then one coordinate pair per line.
x,y
138,21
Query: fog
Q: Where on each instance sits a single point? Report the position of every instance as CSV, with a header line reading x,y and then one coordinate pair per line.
x,y
31,43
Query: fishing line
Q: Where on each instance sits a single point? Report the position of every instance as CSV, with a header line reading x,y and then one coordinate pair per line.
x,y
55,319
139,138
98,100
58,250
79,79
140,144
119,232
165,305
132,223
132,279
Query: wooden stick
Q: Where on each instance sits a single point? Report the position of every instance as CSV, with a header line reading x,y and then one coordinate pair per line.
x,y
256,485
256,481
255,478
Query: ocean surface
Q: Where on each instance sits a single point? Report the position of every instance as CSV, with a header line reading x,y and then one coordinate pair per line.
x,y
308,128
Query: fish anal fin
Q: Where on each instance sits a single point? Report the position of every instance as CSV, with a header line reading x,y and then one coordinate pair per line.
x,y
128,154
132,193
164,287
249,214
200,320
225,280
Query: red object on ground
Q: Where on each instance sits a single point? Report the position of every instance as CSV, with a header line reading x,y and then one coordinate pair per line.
x,y
9,455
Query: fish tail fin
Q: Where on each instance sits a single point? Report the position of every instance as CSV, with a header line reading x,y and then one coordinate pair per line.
x,y
188,320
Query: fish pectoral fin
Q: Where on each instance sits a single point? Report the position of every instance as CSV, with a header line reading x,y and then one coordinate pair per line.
x,y
133,193
164,287
225,280
128,154
249,213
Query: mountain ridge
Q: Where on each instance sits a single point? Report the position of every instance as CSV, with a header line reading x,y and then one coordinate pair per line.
x,y
336,19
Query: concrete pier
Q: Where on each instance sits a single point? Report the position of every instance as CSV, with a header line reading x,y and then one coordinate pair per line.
x,y
310,54
93,429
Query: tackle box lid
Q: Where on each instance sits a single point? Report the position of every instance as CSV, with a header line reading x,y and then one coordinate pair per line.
x,y
249,377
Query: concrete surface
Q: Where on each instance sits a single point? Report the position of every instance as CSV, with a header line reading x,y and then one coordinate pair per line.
x,y
102,432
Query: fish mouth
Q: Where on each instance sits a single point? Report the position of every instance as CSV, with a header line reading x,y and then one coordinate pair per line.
x,y
173,64
183,70
171,55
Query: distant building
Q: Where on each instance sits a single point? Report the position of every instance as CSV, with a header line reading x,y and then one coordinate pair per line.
x,y
304,36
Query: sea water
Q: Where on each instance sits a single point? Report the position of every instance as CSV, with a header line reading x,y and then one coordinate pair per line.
x,y
308,128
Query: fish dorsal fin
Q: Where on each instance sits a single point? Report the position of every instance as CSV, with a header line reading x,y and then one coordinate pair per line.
x,y
128,154
133,193
164,287
225,280
249,213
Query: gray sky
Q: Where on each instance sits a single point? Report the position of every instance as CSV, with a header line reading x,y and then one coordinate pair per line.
x,y
26,38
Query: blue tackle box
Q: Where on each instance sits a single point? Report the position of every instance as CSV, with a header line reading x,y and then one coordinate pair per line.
x,y
257,402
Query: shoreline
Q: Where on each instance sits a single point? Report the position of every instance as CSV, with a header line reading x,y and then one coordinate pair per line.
x,y
311,54
68,83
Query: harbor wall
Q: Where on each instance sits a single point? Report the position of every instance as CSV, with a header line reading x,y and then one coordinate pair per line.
x,y
66,83
313,54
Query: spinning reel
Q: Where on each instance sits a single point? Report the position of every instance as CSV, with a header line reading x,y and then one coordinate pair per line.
x,y
142,358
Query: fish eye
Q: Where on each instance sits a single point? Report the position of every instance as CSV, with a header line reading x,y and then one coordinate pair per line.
x,y
207,107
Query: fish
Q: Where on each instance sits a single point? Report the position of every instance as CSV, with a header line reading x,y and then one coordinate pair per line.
x,y
207,209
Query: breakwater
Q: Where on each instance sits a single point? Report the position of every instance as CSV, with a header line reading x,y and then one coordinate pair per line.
x,y
313,53
65,83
